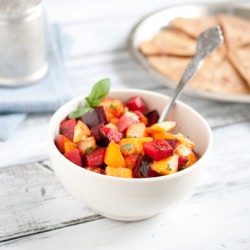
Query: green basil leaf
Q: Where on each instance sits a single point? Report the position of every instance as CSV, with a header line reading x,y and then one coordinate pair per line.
x,y
99,91
127,147
79,112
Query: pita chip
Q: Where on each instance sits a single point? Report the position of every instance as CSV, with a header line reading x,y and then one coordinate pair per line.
x,y
240,59
169,42
216,75
223,79
170,66
194,26
236,31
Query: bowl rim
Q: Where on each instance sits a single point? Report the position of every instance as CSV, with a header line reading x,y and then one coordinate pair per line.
x,y
79,99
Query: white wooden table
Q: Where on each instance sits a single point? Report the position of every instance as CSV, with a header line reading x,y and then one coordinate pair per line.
x,y
37,213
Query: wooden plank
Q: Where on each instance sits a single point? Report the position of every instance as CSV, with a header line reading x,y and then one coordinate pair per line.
x,y
216,216
32,200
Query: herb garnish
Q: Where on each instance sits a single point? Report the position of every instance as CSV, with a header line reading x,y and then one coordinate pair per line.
x,y
127,147
99,91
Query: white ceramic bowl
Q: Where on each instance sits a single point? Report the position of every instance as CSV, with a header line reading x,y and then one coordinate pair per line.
x,y
133,199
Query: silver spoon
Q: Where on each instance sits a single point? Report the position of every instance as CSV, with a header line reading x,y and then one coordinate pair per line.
x,y
208,41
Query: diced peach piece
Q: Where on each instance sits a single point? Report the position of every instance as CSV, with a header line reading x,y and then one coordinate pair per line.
x,y
184,140
133,146
87,144
162,127
68,146
113,156
182,150
81,132
192,158
113,107
165,136
166,166
136,130
119,172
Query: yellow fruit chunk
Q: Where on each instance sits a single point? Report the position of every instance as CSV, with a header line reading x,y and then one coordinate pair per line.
x,y
130,146
133,146
87,145
192,158
119,172
165,136
68,146
113,108
113,156
166,166
184,140
81,132
137,130
162,126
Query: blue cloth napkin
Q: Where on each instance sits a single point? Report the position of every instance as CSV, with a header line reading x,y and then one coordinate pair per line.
x,y
46,95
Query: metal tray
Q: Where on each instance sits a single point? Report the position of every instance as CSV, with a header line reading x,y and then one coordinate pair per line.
x,y
151,24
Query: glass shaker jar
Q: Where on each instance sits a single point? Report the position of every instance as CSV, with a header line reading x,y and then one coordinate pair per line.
x,y
22,42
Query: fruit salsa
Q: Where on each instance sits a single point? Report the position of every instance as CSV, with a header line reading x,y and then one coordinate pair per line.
x,y
113,138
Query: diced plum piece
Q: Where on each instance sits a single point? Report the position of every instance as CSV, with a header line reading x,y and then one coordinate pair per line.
x,y
95,132
111,134
95,158
125,121
59,141
182,162
95,117
158,149
102,115
143,169
74,156
173,143
153,117
67,128
136,103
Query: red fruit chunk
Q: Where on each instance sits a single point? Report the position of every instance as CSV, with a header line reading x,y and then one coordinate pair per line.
x,y
131,160
124,123
139,114
74,156
158,149
136,103
95,117
67,128
173,143
153,117
111,134
182,161
95,158
59,141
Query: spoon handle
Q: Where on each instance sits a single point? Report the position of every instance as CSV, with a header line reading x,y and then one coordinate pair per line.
x,y
188,74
